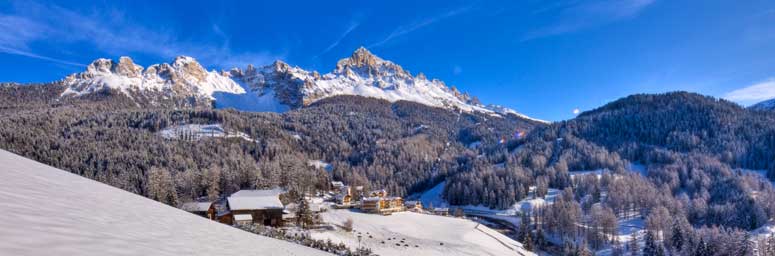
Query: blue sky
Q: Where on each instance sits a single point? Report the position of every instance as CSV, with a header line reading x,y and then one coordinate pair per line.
x,y
542,58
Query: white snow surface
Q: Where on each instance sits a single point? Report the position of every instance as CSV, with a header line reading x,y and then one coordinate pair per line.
x,y
319,164
251,101
47,211
199,131
434,197
426,232
255,199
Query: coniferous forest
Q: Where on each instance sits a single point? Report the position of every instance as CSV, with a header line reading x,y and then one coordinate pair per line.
x,y
696,168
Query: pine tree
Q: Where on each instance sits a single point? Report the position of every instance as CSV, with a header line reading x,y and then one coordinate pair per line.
x,y
650,247
677,241
616,248
161,186
524,227
303,214
703,249
527,242
633,246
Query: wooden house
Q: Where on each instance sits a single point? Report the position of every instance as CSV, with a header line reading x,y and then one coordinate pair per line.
x,y
413,206
441,211
257,206
336,186
220,212
199,208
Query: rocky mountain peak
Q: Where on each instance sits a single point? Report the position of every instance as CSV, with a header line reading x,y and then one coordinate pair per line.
x,y
362,61
127,67
100,65
280,66
189,66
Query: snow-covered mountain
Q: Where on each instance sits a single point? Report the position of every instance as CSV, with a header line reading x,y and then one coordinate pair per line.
x,y
764,105
184,77
277,87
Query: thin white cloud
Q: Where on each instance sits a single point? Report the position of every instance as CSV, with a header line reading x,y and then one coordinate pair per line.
x,y
19,52
108,31
406,29
754,93
585,14
336,43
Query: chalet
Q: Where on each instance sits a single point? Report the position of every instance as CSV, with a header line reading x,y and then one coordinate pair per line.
x,y
344,199
199,208
257,206
377,193
441,211
220,212
382,205
413,206
345,196
336,185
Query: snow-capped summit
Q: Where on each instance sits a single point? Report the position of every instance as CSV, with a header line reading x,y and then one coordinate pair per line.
x,y
276,87
185,77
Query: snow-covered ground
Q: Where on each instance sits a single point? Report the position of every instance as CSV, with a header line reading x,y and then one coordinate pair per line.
x,y
199,131
319,164
251,101
409,233
433,197
47,211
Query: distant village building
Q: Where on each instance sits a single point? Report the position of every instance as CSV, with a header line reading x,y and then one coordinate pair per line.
x,y
345,196
199,208
336,185
257,206
378,193
441,211
413,206
382,205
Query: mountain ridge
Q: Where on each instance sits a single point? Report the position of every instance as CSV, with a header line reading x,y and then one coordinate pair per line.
x,y
277,87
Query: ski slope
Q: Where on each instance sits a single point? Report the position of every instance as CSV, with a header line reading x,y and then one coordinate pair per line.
x,y
47,211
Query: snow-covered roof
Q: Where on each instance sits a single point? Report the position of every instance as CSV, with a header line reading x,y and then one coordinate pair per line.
x,y
255,199
196,206
411,202
370,199
91,225
243,217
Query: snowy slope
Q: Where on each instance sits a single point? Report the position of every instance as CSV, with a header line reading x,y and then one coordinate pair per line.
x,y
422,234
47,211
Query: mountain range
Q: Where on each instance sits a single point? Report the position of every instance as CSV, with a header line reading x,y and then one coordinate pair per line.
x,y
278,87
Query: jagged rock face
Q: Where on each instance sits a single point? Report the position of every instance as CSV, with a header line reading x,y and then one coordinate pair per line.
x,y
362,74
184,79
127,67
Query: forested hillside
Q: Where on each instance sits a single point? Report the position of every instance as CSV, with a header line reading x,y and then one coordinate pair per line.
x,y
696,182
697,156
404,147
